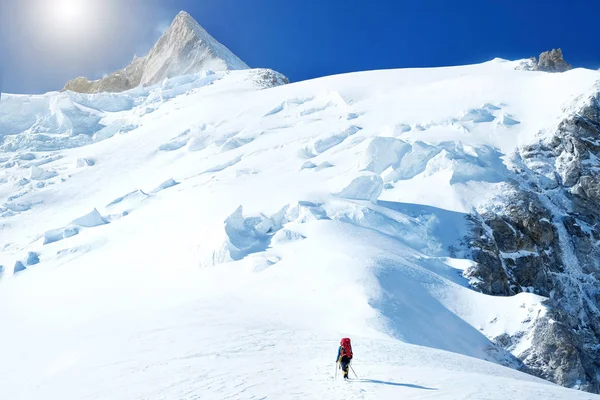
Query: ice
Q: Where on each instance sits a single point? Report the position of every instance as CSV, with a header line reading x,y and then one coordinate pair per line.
x,y
32,258
286,236
247,235
38,174
68,120
26,156
85,162
19,267
364,187
382,153
415,162
314,110
199,143
107,102
165,185
478,116
276,110
287,104
56,235
235,142
324,144
225,165
174,145
89,220
43,161
124,205
401,128
323,165
17,207
308,165
508,120
492,107
107,132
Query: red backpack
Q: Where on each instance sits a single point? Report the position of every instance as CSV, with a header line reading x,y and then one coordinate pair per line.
x,y
347,347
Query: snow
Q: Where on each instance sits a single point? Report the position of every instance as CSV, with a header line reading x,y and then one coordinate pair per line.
x,y
221,238
38,174
89,220
364,187
184,48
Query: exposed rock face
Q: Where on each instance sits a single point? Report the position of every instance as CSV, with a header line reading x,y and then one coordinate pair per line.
x,y
119,81
527,65
515,250
549,61
547,241
552,61
185,48
267,78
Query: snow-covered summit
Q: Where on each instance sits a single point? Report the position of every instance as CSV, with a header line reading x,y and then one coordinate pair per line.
x,y
187,48
184,48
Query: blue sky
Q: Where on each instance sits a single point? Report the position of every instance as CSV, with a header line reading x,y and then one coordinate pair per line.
x,y
302,39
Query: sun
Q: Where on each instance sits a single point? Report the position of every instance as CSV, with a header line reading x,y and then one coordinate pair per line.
x,y
69,11
71,22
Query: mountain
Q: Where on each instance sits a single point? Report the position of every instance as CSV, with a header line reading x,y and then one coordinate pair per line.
x,y
216,234
184,48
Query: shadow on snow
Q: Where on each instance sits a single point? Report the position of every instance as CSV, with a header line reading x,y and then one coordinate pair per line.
x,y
408,385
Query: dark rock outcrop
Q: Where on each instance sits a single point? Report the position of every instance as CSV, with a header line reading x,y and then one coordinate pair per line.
x,y
547,241
552,61
549,61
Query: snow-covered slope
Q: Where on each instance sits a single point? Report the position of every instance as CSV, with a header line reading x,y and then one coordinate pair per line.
x,y
215,239
184,48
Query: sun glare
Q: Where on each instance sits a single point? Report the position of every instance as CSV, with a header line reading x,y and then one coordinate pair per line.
x,y
68,11
71,22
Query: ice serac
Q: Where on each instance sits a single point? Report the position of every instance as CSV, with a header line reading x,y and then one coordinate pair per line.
x,y
184,48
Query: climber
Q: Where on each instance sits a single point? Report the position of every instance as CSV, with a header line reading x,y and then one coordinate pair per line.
x,y
344,356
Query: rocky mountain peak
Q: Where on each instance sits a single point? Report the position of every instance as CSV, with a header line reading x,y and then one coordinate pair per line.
x,y
184,19
545,241
184,48
552,61
184,24
549,61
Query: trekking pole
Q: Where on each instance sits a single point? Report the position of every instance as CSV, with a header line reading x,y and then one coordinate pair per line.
x,y
336,368
354,372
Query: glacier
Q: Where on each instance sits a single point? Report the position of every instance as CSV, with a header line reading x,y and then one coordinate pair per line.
x,y
215,234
